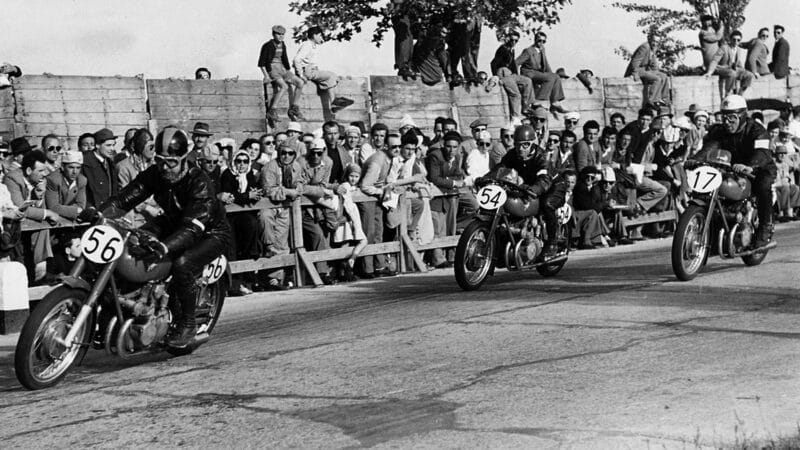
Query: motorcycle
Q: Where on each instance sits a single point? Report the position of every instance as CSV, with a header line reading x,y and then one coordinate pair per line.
x,y
111,300
721,218
507,232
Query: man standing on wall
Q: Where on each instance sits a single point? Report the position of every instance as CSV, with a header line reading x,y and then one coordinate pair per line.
x,y
780,54
533,63
274,64
644,67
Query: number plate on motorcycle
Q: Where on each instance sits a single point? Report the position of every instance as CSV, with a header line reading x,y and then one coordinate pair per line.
x,y
491,197
101,244
215,269
704,179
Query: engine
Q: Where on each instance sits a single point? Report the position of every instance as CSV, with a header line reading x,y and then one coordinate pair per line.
x,y
741,234
148,320
528,246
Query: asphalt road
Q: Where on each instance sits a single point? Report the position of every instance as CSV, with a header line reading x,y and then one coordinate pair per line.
x,y
612,353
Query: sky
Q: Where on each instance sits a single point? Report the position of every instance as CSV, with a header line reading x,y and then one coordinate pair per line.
x,y
171,39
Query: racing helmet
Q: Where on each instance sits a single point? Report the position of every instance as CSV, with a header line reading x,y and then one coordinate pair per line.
x,y
172,141
524,133
734,104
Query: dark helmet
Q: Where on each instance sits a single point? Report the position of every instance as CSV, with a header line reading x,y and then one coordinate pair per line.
x,y
524,133
172,141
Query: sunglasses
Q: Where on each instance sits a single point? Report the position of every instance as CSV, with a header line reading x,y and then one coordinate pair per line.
x,y
730,117
318,152
526,144
285,153
206,161
539,119
572,121
241,161
269,142
170,161
54,148
394,146
484,144
507,136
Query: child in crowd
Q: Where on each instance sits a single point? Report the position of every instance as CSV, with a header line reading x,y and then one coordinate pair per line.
x,y
350,229
66,253
788,192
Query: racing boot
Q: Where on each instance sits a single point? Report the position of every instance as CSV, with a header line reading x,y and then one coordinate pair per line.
x,y
549,250
763,235
181,335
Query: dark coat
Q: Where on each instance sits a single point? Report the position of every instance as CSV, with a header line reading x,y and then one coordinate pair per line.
x,y
780,58
268,54
63,199
101,183
443,174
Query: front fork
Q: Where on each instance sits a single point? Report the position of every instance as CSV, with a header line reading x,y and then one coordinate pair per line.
x,y
100,284
706,231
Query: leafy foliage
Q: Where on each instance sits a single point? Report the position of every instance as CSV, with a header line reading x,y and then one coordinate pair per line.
x,y
659,23
341,20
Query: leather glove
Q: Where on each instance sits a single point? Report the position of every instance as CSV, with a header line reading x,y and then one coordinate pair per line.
x,y
89,215
148,249
742,169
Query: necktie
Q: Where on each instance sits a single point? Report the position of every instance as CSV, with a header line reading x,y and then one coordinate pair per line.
x,y
287,180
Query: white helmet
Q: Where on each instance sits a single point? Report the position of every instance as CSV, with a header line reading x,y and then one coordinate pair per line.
x,y
734,103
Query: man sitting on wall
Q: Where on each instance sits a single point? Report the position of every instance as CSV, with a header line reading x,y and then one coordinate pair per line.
x,y
307,68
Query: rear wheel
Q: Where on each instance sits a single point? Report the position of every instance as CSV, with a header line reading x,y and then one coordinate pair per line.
x,y
562,242
40,361
690,243
209,306
474,255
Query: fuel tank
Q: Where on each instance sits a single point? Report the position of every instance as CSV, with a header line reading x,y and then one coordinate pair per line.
x,y
734,188
522,207
134,270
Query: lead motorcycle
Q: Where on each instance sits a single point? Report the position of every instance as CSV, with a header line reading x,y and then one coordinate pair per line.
x,y
110,300
507,232
721,218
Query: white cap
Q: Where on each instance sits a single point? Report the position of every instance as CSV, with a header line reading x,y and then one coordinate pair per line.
x,y
294,126
572,115
407,121
700,113
318,143
317,133
72,157
484,136
683,123
353,130
670,135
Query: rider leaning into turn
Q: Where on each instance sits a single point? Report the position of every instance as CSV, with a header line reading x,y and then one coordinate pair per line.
x,y
193,230
532,165
748,142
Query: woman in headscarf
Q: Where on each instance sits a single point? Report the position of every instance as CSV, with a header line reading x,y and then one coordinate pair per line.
x,y
239,185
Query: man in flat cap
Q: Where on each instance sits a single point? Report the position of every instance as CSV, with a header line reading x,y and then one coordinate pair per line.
x,y
274,64
99,169
65,192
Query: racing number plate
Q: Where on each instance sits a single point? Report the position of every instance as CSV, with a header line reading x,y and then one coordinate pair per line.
x,y
704,179
491,197
101,244
215,269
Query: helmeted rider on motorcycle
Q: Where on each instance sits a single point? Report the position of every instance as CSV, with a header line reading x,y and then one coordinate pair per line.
x,y
748,142
192,231
531,163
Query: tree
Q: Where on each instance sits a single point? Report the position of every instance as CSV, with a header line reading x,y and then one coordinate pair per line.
x,y
342,19
661,22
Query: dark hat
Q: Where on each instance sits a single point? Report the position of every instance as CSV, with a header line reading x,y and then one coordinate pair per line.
x,y
480,122
451,136
20,146
562,73
691,111
279,29
103,135
409,137
201,129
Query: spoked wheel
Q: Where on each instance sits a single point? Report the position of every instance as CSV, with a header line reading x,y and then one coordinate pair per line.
x,y
40,360
210,299
474,255
562,241
689,245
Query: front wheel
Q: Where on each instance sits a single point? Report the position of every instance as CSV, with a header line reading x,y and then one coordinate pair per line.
x,y
474,255
40,361
690,243
210,299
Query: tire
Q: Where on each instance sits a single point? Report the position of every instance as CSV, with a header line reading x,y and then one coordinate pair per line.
x,y
472,268
52,318
563,241
687,261
209,306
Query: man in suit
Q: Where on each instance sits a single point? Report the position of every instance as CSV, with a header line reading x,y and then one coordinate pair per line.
x,y
317,220
757,52
201,134
274,64
518,88
66,188
337,153
26,187
587,150
102,180
644,66
730,67
533,63
780,54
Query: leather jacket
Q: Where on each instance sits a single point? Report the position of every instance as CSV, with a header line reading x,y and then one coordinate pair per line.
x,y
742,145
191,208
534,171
